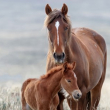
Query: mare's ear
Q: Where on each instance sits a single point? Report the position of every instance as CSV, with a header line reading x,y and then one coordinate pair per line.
x,y
65,67
74,65
48,9
64,9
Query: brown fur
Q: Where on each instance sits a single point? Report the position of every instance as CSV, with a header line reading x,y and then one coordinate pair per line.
x,y
55,14
56,69
42,94
88,49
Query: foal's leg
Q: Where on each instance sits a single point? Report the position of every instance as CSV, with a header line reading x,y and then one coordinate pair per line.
x,y
82,103
61,99
23,102
55,102
72,104
79,105
88,101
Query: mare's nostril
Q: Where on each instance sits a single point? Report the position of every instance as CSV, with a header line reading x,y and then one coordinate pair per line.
x,y
63,55
54,55
58,56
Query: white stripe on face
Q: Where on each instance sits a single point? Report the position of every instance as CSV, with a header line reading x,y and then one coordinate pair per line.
x,y
57,26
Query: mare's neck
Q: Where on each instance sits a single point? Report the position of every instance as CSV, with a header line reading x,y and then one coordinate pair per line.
x,y
72,49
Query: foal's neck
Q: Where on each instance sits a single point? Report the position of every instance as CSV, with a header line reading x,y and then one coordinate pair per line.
x,y
53,83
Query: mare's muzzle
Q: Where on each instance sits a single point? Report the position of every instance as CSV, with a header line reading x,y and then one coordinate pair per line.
x,y
59,58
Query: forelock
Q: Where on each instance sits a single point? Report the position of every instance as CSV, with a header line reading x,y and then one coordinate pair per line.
x,y
53,15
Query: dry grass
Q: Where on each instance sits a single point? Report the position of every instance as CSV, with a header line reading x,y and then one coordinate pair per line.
x,y
105,96
10,98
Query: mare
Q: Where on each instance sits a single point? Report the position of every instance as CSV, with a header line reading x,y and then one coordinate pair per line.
x,y
82,45
42,94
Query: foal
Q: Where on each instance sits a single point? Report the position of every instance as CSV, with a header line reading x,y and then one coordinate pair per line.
x,y
42,94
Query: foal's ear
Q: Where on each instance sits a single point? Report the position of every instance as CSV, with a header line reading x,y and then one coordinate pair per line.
x,y
65,67
48,9
74,65
64,9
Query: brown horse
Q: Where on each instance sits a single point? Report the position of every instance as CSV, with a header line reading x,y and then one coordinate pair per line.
x,y
42,94
84,46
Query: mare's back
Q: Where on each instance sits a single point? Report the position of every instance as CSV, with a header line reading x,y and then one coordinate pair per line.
x,y
90,38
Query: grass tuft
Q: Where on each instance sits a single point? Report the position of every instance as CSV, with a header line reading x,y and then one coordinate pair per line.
x,y
10,98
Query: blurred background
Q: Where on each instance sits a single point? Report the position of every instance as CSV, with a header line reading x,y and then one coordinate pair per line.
x,y
23,38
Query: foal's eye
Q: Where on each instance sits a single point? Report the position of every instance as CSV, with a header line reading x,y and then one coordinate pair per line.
x,y
66,28
69,80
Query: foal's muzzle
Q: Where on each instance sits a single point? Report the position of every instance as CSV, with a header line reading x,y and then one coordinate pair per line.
x,y
59,58
76,94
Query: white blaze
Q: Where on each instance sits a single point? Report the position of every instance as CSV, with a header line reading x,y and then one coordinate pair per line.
x,y
57,26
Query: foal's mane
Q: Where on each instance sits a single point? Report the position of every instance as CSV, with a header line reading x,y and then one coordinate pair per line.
x,y
55,14
56,69
52,71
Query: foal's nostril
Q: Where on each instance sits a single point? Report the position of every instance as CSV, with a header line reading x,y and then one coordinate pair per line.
x,y
78,95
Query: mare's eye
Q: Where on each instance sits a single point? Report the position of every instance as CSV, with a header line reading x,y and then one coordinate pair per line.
x,y
68,80
49,29
66,28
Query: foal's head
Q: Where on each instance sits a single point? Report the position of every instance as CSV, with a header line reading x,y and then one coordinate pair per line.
x,y
69,81
59,28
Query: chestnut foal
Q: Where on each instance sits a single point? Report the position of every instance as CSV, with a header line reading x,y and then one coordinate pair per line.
x,y
42,94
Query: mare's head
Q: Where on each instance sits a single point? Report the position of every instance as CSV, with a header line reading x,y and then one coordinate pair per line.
x,y
69,81
59,29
